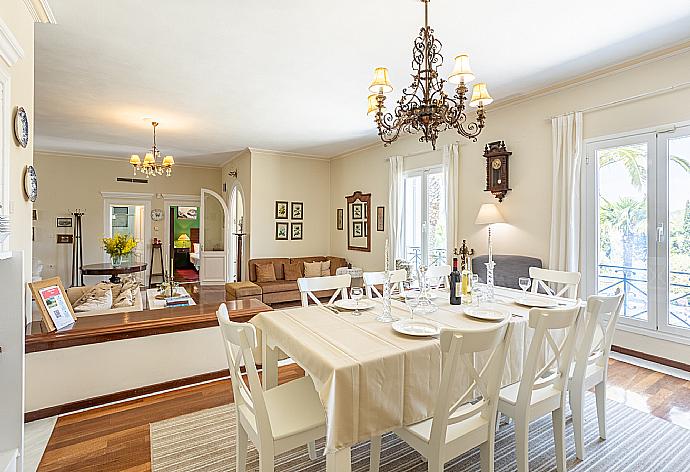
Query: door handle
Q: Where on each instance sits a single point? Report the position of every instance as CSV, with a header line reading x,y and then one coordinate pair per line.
x,y
660,233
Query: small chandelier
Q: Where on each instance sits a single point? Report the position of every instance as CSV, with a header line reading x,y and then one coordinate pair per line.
x,y
150,167
425,106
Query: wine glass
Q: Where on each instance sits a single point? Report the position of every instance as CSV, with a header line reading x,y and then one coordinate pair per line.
x,y
524,283
356,293
411,301
476,291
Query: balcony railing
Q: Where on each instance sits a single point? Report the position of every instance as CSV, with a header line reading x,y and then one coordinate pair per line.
x,y
633,282
414,256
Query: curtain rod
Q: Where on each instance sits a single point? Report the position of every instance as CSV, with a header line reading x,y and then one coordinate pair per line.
x,y
634,98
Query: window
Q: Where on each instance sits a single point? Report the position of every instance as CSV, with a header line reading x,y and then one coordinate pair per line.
x,y
424,217
639,214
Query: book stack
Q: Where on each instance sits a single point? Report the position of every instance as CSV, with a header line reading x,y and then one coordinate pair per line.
x,y
177,301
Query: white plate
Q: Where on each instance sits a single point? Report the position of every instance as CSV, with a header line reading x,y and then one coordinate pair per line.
x,y
487,313
534,302
416,328
349,304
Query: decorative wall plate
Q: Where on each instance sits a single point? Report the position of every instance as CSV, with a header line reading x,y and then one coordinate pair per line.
x,y
156,214
30,183
21,127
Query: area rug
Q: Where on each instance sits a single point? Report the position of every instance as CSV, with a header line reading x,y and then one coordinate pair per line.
x,y
637,442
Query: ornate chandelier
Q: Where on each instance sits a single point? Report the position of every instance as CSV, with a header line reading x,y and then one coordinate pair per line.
x,y
425,106
150,166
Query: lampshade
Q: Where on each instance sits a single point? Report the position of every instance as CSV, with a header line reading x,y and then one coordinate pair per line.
x,y
488,215
148,159
381,84
462,72
480,96
183,237
168,161
373,104
135,160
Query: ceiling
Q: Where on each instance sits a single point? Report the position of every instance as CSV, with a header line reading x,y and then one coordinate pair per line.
x,y
292,76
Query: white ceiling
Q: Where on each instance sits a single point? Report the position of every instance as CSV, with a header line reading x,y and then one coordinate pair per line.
x,y
222,75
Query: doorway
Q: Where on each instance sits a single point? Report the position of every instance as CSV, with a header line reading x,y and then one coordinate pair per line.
x,y
184,245
129,217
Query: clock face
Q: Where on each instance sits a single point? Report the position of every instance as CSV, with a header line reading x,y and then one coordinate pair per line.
x,y
156,214
496,164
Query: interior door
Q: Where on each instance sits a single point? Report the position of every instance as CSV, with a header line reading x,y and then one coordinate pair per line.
x,y
213,238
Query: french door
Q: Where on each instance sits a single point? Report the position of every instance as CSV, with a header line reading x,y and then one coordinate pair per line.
x,y
639,226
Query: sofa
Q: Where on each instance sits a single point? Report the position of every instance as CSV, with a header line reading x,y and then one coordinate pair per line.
x,y
286,290
508,268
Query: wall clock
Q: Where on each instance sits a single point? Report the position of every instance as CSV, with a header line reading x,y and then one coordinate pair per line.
x,y
496,156
156,214
30,183
21,127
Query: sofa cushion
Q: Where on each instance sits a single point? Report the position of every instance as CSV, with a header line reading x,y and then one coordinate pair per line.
x,y
325,268
277,266
312,269
335,261
125,292
278,286
292,271
265,273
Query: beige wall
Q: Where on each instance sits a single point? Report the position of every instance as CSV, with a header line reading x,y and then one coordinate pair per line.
x,y
69,182
294,179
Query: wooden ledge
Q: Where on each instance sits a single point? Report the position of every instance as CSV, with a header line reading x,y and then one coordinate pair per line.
x,y
103,328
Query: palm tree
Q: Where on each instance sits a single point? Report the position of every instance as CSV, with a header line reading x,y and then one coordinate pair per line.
x,y
634,158
627,216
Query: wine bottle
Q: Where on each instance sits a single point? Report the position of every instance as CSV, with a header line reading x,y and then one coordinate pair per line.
x,y
455,284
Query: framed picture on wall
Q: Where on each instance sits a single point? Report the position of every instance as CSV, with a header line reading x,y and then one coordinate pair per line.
x,y
281,211
63,222
356,211
65,239
339,219
357,229
296,210
296,232
186,213
380,221
282,231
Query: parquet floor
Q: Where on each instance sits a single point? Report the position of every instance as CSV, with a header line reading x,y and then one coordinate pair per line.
x,y
116,438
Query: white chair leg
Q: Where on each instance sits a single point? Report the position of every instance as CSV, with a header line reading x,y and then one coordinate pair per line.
x,y
600,391
375,454
522,444
434,463
241,449
486,455
311,446
266,461
558,420
576,409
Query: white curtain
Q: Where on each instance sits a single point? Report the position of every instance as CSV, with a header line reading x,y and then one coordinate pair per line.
x,y
568,148
395,209
451,175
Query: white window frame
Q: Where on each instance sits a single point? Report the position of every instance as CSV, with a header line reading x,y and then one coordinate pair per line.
x,y
423,172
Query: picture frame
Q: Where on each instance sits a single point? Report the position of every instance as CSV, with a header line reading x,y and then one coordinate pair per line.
x,y
51,298
296,231
65,222
282,231
339,217
187,213
380,218
65,239
358,229
34,215
296,210
281,210
357,211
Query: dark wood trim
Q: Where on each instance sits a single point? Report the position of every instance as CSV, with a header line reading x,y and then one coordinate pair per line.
x,y
651,358
122,395
116,326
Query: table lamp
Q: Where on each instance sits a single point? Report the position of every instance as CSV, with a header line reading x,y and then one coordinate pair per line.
x,y
489,215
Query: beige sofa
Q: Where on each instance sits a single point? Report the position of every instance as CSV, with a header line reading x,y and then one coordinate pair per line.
x,y
74,293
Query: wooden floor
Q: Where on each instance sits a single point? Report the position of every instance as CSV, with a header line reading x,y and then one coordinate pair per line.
x,y
116,438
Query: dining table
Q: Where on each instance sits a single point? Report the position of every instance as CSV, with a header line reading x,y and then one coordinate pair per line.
x,y
372,379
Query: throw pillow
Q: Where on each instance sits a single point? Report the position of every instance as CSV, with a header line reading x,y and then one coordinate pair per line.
x,y
325,268
97,298
125,292
292,271
123,299
265,273
312,269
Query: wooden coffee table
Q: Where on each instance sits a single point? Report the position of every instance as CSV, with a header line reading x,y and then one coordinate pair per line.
x,y
107,268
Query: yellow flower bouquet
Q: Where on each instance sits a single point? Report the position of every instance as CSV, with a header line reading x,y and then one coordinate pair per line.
x,y
117,246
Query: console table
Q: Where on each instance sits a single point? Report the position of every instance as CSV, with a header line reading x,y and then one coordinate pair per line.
x,y
107,268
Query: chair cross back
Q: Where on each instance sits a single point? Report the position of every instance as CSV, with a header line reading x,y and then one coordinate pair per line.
x,y
598,306
542,277
371,279
438,275
309,285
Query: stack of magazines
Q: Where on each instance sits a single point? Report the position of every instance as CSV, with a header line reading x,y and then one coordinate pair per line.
x,y
177,301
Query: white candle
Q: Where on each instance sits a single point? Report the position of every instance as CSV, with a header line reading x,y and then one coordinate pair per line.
x,y
387,258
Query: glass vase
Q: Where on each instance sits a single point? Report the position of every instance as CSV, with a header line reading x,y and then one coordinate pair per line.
x,y
116,260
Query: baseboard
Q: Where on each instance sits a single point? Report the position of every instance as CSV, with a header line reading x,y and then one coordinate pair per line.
x,y
122,395
652,358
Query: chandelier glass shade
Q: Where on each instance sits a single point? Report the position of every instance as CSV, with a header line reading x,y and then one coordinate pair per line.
x,y
150,166
424,106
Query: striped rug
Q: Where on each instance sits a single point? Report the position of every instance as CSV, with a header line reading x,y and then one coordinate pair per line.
x,y
637,442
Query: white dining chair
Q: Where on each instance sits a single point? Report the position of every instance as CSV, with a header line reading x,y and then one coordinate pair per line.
x,y
568,282
542,390
309,286
592,361
438,275
371,279
277,420
458,426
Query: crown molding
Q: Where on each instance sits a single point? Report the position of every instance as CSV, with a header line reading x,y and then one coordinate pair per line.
x,y
10,49
289,154
40,11
111,158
